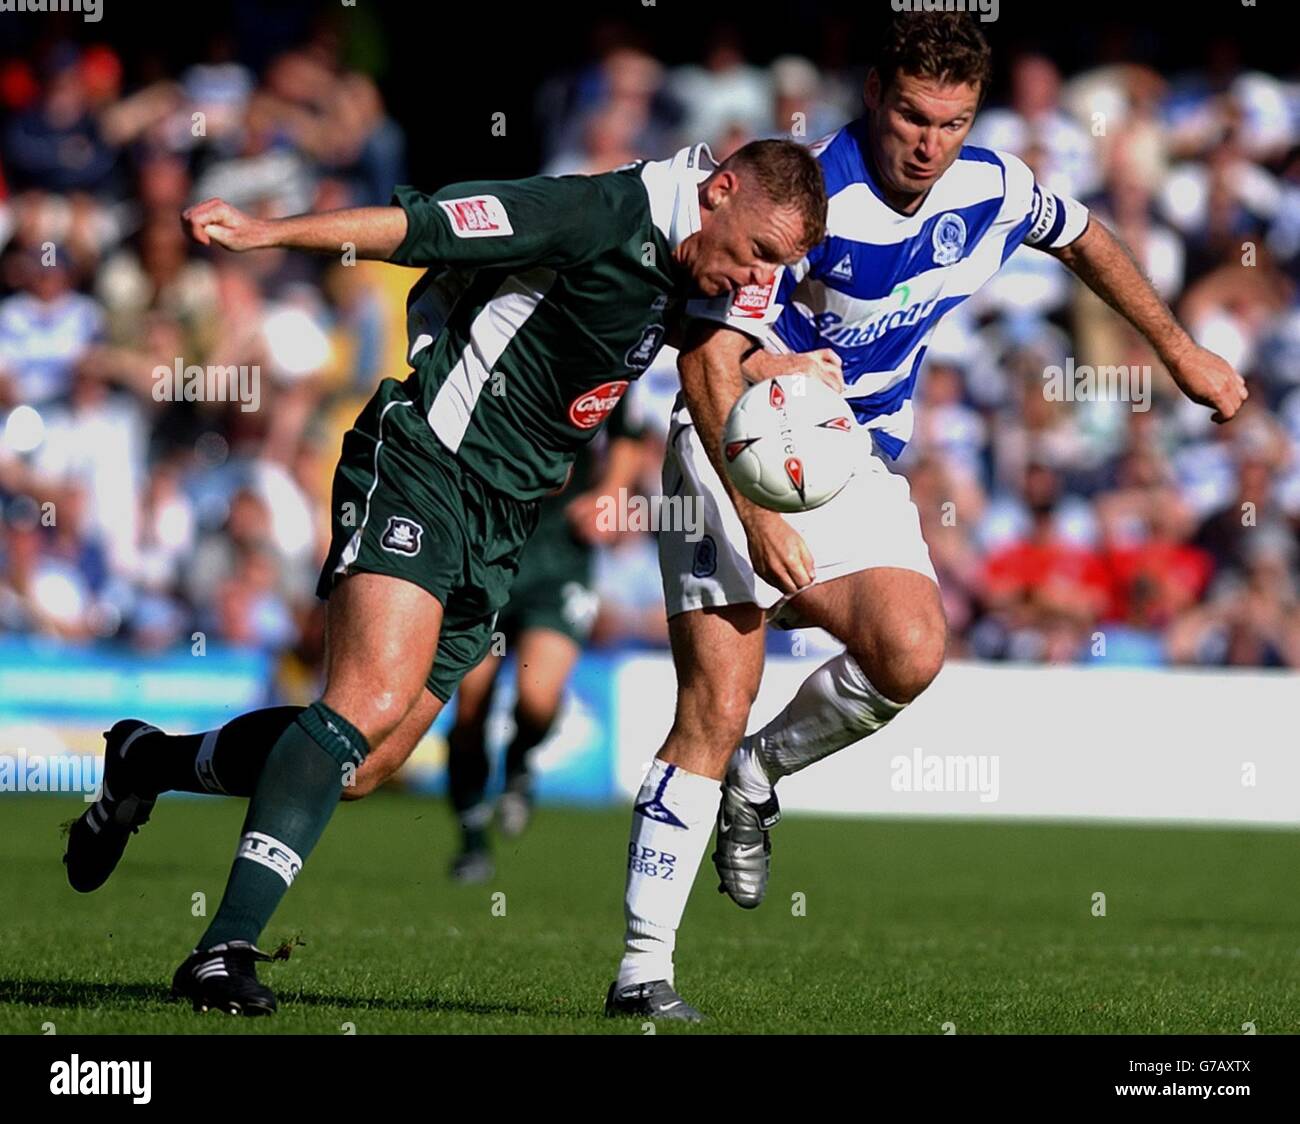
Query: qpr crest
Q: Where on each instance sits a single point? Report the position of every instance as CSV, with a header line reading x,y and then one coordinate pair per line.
x,y
949,238
705,563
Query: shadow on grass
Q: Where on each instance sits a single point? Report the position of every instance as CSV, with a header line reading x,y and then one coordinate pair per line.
x,y
125,996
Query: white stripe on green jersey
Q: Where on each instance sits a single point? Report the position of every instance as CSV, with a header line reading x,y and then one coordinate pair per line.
x,y
561,294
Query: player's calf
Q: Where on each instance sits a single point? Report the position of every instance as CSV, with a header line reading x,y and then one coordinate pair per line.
x,y
834,707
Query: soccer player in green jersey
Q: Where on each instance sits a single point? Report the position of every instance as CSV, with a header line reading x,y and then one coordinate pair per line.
x,y
575,284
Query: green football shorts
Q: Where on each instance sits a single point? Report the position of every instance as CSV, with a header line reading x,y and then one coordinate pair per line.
x,y
553,589
403,506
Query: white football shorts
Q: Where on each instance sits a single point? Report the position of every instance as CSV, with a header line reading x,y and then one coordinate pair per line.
x,y
704,564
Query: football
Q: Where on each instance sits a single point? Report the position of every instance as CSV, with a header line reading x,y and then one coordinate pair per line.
x,y
790,443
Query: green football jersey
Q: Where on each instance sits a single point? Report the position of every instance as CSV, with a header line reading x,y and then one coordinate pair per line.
x,y
564,290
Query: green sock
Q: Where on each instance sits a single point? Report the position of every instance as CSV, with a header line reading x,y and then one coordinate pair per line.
x,y
528,734
295,796
226,761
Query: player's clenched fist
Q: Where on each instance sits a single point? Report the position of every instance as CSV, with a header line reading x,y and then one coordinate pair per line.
x,y
215,220
778,552
1210,380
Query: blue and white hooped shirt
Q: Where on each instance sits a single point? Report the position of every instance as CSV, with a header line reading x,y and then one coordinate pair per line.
x,y
877,286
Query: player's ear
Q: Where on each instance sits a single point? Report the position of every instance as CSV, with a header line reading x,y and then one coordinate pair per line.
x,y
720,186
871,89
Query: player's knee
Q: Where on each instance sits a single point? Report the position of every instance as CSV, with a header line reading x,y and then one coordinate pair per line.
x,y
536,712
376,713
905,661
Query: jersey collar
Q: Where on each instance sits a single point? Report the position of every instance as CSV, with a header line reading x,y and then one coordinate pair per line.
x,y
673,189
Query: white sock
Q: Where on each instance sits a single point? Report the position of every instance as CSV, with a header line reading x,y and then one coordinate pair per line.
x,y
833,708
745,771
671,825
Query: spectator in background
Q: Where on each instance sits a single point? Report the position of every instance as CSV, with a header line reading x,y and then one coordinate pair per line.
x,y
607,140
94,445
45,329
950,508
56,144
617,112
1155,573
1043,593
41,592
726,97
1065,159
799,109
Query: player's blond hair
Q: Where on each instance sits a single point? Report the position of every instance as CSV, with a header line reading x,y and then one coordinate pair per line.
x,y
789,176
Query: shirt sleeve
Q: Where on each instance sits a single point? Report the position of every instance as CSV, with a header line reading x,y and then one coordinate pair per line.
x,y
1046,220
549,221
1055,220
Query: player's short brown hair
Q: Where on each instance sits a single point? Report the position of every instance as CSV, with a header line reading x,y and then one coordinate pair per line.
x,y
948,47
789,176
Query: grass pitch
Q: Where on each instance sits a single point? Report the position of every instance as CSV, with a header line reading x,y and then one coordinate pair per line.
x,y
903,926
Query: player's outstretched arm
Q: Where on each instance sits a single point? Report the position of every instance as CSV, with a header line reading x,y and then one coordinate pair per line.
x,y
1104,264
374,232
709,366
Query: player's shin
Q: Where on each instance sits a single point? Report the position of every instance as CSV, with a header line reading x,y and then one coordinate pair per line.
x,y
833,708
671,825
297,793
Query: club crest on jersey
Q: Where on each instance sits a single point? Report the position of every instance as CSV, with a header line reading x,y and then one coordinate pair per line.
x,y
949,238
477,216
705,563
592,407
641,353
401,536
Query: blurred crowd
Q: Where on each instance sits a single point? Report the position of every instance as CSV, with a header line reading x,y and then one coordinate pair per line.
x,y
1062,531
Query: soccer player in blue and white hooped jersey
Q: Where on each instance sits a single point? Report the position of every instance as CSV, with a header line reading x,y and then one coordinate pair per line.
x,y
916,224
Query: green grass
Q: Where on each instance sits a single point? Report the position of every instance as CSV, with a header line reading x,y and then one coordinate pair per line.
x,y
909,924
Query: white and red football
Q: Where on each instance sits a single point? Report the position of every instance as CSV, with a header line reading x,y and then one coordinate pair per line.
x,y
790,443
